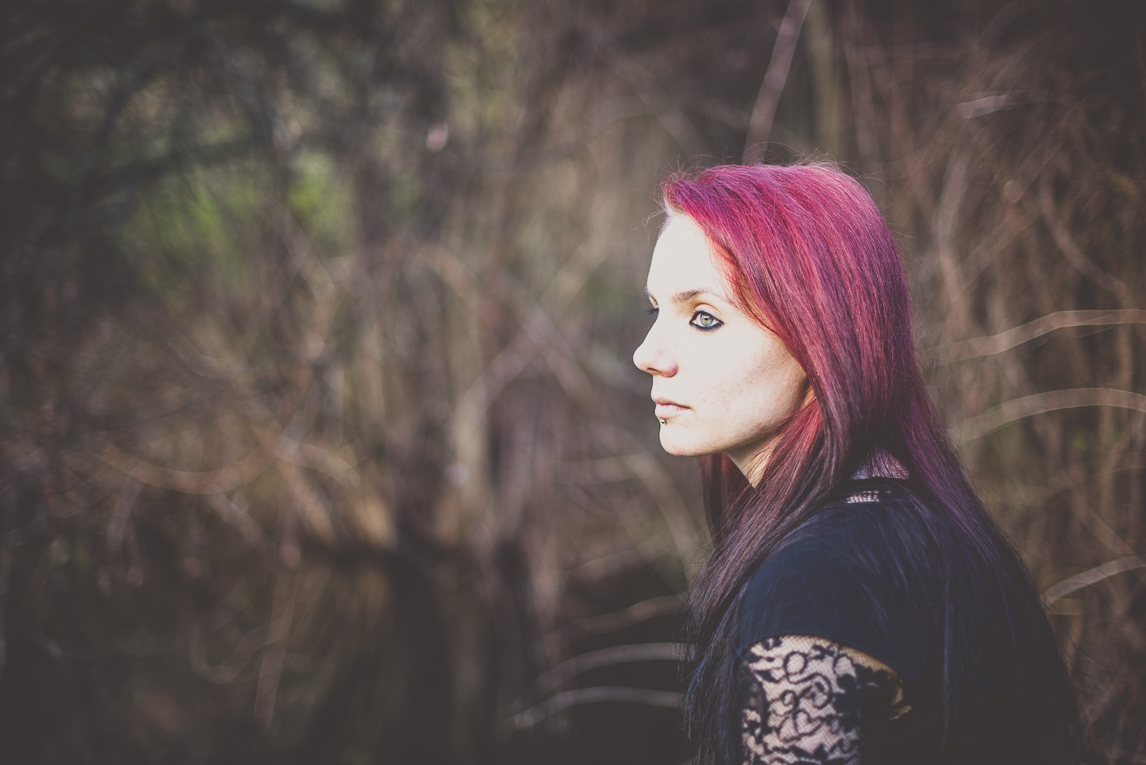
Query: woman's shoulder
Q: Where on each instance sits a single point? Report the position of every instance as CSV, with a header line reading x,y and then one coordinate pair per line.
x,y
874,527
860,572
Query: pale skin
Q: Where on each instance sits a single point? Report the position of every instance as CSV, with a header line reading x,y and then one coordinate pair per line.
x,y
722,382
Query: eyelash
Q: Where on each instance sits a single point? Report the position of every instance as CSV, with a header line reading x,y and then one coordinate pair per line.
x,y
654,311
716,325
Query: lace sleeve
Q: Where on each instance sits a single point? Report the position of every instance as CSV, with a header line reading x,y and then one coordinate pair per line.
x,y
811,701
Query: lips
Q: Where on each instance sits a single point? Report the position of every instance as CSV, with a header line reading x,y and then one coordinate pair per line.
x,y
666,408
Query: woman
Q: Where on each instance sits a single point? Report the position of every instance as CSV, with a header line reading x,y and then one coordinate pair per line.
x,y
859,605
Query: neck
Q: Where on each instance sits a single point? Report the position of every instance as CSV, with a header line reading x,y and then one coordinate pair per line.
x,y
752,464
879,464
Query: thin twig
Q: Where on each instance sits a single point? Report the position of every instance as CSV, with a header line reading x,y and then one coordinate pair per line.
x,y
1004,341
128,493
769,97
618,654
596,694
1072,251
634,614
1038,403
270,672
237,515
1092,576
666,109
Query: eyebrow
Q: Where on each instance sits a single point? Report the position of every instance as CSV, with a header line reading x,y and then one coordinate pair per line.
x,y
686,295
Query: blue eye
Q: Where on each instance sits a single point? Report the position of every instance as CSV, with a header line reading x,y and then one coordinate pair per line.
x,y
653,310
704,321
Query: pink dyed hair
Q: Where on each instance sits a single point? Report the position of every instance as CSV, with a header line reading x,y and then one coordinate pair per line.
x,y
807,252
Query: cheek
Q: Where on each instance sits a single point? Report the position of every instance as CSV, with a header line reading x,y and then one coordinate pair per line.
x,y
719,413
769,388
722,384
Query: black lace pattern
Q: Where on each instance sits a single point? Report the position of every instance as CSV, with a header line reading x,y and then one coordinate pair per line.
x,y
809,701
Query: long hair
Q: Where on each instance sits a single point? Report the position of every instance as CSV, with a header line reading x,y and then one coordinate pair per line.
x,y
807,253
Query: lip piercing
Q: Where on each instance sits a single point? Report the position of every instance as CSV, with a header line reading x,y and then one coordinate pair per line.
x,y
663,421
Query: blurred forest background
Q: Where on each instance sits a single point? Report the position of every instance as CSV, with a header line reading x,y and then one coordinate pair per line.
x,y
320,436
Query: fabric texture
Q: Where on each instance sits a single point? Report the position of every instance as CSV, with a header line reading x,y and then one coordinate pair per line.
x,y
804,699
837,641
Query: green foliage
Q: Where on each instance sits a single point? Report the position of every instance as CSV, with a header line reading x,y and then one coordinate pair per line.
x,y
195,226
321,203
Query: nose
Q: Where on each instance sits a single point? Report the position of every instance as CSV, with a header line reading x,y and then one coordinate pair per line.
x,y
653,357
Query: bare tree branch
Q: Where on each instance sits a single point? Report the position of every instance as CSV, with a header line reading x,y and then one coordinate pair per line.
x,y
667,110
620,654
1039,403
592,695
1092,576
769,97
634,614
1072,251
1004,341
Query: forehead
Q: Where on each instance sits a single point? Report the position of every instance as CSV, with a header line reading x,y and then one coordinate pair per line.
x,y
683,259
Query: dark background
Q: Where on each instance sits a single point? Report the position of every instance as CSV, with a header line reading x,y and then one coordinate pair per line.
x,y
320,437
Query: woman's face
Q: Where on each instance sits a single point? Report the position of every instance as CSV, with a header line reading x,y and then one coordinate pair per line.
x,y
721,382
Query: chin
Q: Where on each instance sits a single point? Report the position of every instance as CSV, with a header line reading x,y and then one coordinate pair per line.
x,y
680,448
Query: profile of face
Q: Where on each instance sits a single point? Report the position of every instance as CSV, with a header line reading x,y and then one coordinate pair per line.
x,y
721,381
